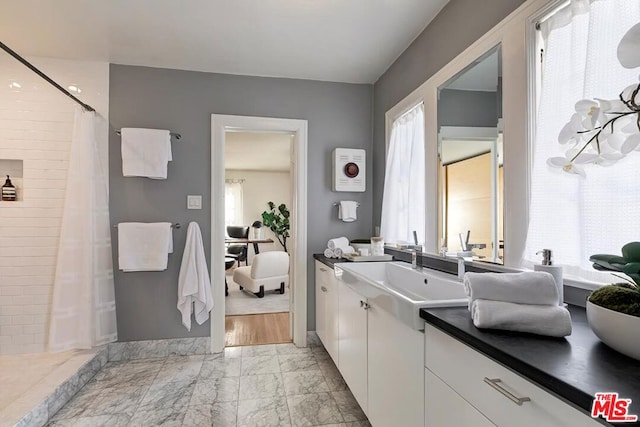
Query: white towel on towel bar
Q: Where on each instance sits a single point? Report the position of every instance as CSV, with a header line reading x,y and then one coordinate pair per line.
x,y
145,152
347,210
144,246
549,320
194,284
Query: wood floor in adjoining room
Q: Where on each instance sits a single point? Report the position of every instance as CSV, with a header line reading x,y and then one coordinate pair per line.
x,y
255,329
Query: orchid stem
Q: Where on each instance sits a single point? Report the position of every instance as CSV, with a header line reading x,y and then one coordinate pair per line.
x,y
600,129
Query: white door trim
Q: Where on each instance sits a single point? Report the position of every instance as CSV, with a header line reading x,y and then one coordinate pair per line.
x,y
219,125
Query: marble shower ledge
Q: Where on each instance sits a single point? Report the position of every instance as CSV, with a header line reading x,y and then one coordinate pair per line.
x,y
41,402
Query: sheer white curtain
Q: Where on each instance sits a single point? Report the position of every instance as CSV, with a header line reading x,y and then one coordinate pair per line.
x,y
83,313
574,216
233,202
403,201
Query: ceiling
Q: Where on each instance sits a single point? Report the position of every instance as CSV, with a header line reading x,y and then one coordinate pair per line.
x,y
455,150
257,151
333,40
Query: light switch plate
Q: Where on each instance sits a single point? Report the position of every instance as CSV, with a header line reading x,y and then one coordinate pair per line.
x,y
194,202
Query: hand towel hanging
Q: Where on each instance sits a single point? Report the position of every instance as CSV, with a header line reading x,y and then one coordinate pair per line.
x,y
347,210
194,284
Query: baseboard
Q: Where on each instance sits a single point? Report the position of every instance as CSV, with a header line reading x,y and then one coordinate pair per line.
x,y
132,350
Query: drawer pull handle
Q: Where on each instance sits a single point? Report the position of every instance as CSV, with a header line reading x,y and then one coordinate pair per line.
x,y
323,289
495,384
323,269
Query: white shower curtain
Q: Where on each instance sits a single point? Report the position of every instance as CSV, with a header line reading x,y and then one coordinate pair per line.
x,y
83,313
403,200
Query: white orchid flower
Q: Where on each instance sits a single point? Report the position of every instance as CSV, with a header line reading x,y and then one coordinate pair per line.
x,y
628,52
612,106
566,165
591,113
570,131
603,131
630,144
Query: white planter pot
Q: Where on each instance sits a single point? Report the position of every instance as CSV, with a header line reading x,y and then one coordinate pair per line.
x,y
617,330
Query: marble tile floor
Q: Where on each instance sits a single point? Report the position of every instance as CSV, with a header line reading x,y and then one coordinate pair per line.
x,y
268,385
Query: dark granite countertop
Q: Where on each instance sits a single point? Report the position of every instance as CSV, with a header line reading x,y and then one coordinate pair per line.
x,y
574,368
328,261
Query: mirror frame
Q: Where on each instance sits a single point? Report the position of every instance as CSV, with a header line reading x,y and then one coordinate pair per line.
x,y
515,35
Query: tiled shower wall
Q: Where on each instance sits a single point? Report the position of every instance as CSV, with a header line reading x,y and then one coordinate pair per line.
x,y
36,124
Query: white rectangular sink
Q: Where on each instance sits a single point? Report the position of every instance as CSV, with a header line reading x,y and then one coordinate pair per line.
x,y
401,290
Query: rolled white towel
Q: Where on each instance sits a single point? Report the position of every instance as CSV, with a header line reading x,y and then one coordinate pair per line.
x,y
343,251
338,242
528,287
549,320
329,253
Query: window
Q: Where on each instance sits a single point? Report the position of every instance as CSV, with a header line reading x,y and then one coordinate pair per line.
x,y
572,215
233,202
403,200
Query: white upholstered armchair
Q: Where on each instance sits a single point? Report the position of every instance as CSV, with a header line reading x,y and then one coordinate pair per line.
x,y
268,270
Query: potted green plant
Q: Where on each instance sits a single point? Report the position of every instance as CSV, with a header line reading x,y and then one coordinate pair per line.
x,y
613,311
277,219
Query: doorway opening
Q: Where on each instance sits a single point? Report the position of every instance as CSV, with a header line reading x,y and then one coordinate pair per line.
x,y
258,195
255,161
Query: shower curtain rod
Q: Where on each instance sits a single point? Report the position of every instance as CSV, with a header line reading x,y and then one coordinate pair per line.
x,y
44,76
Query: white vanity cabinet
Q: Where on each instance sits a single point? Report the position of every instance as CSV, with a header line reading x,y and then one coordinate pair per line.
x,y
327,309
395,366
380,357
352,342
477,389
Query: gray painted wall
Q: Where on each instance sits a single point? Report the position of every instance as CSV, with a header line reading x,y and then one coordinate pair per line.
x,y
339,115
457,26
467,108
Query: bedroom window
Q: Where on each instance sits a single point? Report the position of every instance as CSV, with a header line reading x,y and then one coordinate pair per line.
x,y
233,202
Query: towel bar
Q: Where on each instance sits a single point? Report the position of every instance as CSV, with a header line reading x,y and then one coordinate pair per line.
x,y
176,225
337,204
174,134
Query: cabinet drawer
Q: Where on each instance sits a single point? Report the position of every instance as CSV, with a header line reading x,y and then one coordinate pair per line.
x,y
445,407
467,372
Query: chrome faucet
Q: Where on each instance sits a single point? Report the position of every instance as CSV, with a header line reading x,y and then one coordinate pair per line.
x,y
461,268
414,260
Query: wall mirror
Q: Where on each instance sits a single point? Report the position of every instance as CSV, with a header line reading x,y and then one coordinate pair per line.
x,y
470,160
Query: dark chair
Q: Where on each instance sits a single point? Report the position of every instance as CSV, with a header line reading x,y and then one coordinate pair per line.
x,y
228,263
239,252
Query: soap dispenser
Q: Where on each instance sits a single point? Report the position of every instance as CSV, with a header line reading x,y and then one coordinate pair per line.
x,y
554,270
8,191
